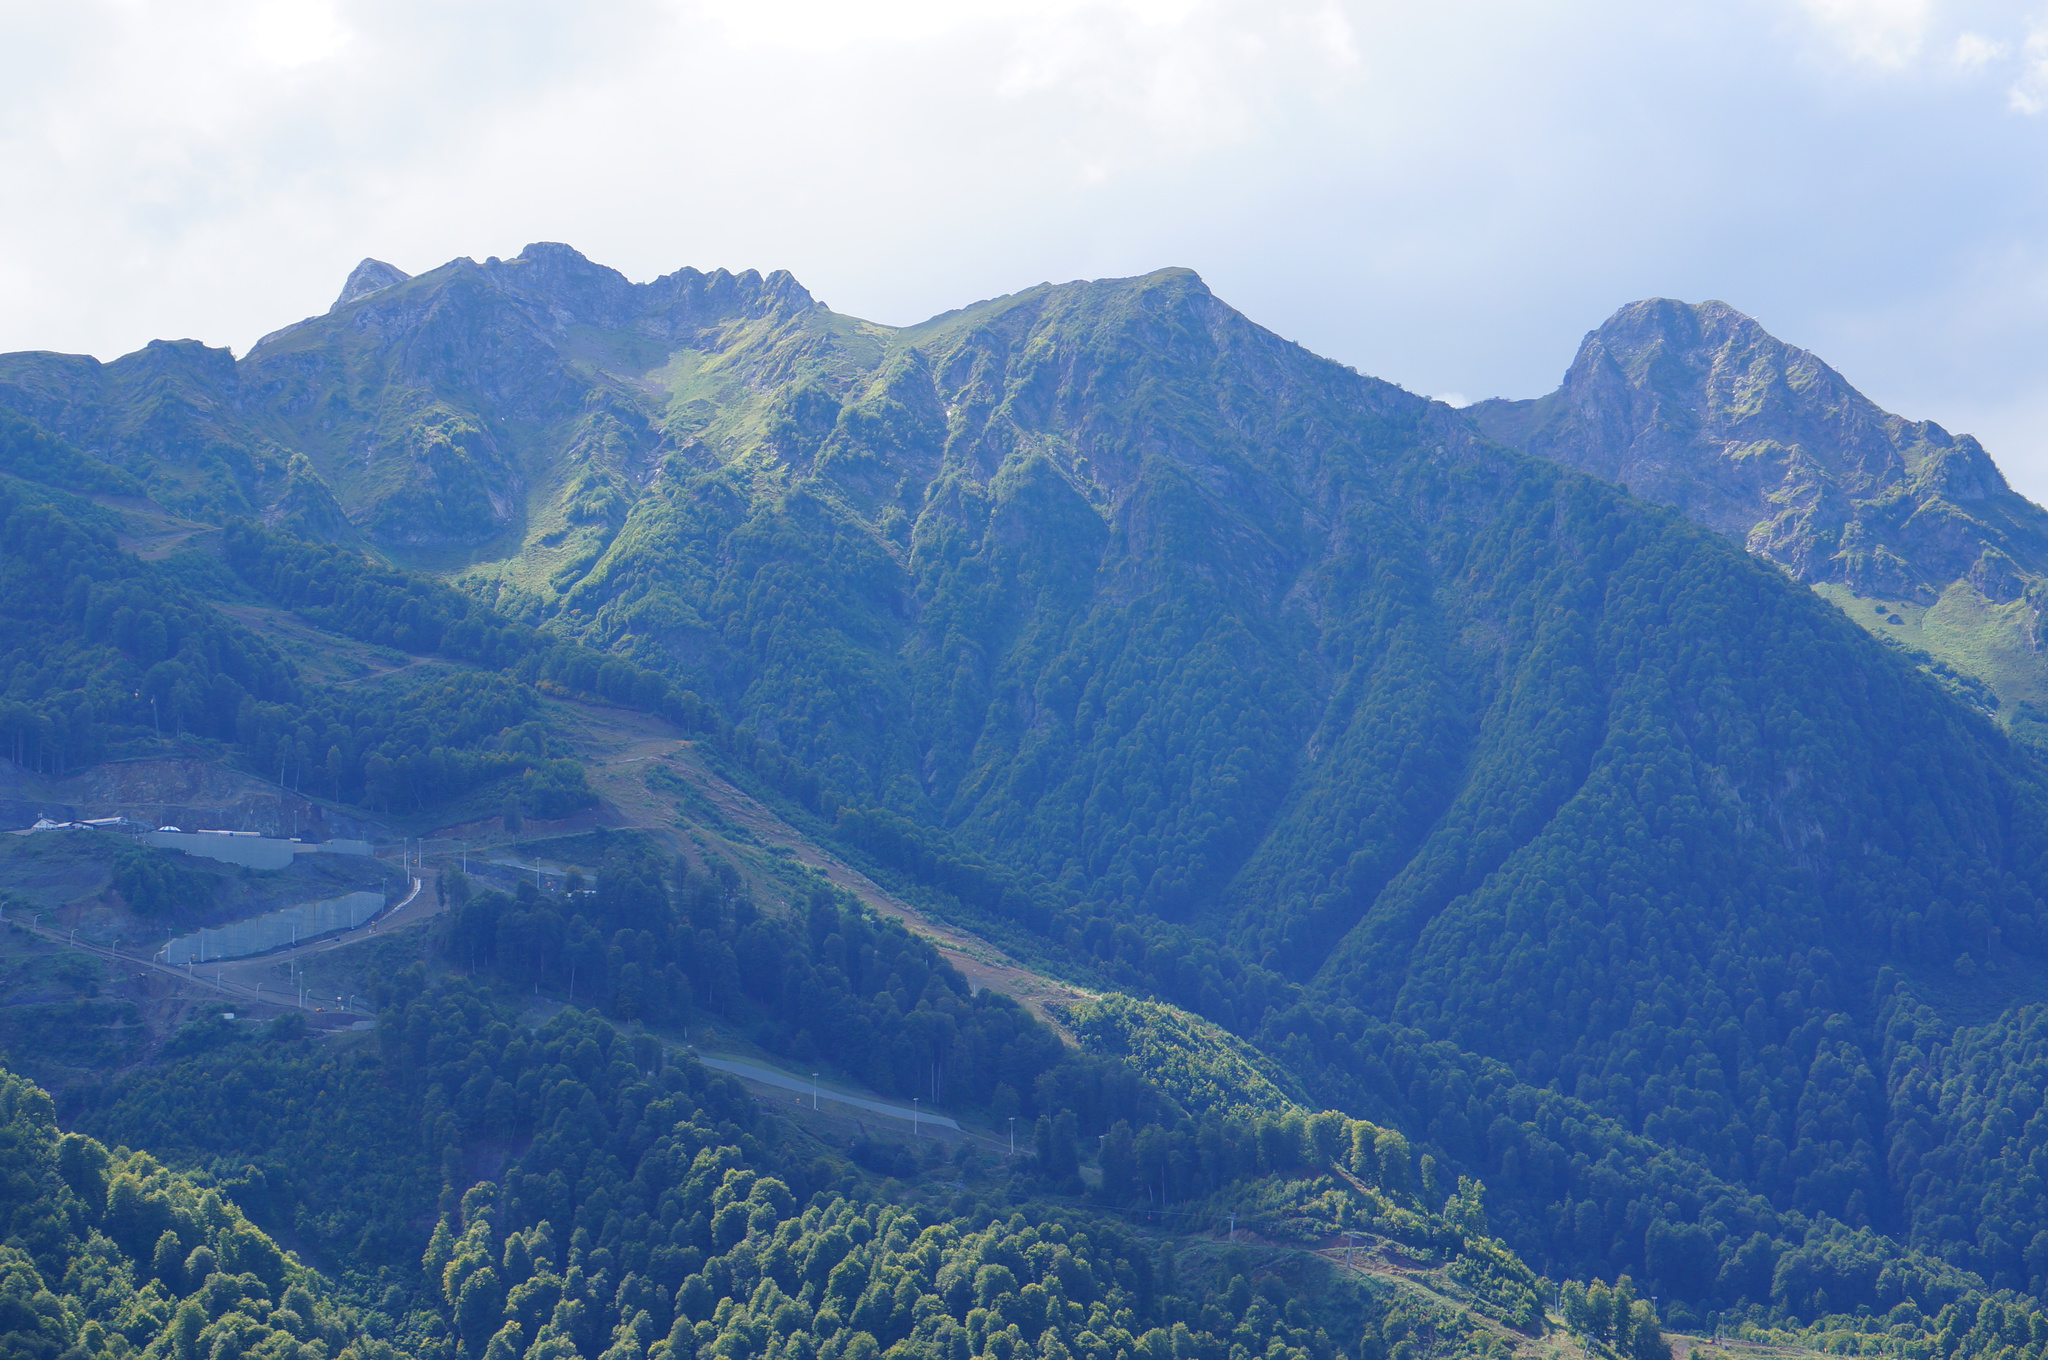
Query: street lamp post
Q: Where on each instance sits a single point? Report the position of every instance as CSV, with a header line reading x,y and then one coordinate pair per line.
x,y
1013,1135
814,1090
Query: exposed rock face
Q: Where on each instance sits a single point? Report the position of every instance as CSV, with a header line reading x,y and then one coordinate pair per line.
x,y
1697,406
443,410
368,277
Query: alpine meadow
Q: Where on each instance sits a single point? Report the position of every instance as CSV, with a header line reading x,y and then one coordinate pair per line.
x,y
1075,830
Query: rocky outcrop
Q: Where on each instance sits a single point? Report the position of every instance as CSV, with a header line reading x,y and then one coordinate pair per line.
x,y
1698,407
368,277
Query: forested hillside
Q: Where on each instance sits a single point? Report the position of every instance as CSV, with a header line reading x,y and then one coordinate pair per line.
x,y
642,1206
476,1181
110,655
1444,789
107,651
1239,673
110,1254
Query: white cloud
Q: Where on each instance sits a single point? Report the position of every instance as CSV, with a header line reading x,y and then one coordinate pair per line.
x,y
190,159
1973,50
1188,74
2029,93
294,32
1883,33
2007,41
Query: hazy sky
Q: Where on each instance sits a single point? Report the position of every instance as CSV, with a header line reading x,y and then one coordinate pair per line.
x,y
1446,194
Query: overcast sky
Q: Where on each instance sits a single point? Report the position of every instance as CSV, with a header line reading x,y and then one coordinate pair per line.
x,y
1446,194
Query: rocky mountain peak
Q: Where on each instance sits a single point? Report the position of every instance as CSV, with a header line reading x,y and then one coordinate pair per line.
x,y
366,278
1699,407
567,282
1672,326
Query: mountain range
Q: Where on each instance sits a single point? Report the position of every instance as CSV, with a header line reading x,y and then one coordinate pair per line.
x,y
1628,796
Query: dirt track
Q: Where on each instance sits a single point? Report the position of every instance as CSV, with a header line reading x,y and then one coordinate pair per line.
x,y
620,746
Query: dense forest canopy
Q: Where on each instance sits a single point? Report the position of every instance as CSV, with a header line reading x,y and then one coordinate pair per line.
x,y
1465,848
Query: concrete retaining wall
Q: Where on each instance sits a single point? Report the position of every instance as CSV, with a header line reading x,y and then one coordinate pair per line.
x,y
274,930
257,852
335,847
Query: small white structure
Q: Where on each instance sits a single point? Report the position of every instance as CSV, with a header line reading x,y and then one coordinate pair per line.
x,y
91,824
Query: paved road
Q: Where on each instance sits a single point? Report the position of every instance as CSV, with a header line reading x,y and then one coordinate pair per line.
x,y
769,1076
556,871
